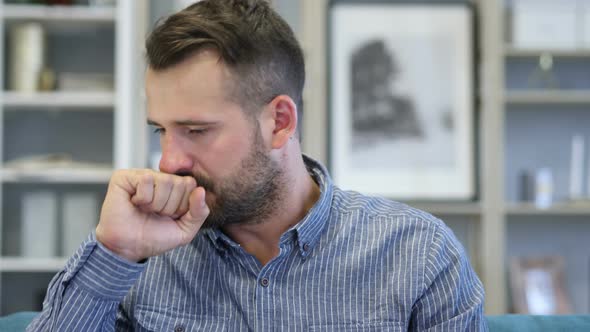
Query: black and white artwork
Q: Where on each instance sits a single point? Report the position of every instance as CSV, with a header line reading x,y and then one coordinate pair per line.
x,y
401,100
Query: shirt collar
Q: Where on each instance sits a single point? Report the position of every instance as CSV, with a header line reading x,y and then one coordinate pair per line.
x,y
309,230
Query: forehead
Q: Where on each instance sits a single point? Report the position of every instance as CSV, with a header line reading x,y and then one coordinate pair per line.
x,y
199,85
200,74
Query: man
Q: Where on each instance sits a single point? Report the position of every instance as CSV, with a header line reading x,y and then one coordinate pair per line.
x,y
239,231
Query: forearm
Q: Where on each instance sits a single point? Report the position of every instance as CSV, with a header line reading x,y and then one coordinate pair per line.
x,y
85,295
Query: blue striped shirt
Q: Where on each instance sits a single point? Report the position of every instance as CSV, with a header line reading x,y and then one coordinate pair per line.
x,y
354,263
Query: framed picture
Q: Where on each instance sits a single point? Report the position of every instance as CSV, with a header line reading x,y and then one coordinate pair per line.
x,y
401,99
538,286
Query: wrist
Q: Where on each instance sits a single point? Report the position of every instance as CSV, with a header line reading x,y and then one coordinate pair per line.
x,y
122,253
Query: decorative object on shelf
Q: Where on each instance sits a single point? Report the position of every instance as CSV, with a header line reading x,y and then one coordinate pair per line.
x,y
401,107
577,168
537,286
85,82
79,211
543,188
27,56
47,80
542,77
545,24
39,224
526,187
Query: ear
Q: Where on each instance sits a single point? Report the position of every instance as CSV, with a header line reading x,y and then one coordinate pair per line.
x,y
283,111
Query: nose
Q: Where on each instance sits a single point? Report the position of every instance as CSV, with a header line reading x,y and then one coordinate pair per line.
x,y
175,157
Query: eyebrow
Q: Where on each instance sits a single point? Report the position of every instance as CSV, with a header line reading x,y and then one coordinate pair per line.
x,y
183,123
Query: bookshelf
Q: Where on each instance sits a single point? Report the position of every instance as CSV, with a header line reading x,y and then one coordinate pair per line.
x,y
95,130
74,101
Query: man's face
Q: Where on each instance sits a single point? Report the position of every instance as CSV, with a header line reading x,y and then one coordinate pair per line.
x,y
203,133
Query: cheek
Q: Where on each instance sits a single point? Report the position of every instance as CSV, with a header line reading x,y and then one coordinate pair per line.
x,y
225,157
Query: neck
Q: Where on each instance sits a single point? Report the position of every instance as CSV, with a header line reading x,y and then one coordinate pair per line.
x,y
262,238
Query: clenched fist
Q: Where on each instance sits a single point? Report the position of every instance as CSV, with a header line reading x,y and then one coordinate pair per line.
x,y
146,213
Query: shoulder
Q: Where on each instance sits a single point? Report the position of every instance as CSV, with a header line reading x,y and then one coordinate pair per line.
x,y
373,207
384,218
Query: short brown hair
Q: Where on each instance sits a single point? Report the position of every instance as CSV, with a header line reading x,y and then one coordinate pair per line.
x,y
256,44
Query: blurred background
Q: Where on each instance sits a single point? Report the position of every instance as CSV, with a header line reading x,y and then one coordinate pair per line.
x,y
496,93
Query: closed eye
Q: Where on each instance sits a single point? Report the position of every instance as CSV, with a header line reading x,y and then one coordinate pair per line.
x,y
158,130
198,131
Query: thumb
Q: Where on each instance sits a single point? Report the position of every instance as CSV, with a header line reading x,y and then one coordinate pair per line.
x,y
198,210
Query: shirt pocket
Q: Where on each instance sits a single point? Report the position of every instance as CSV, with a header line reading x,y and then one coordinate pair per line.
x,y
360,327
165,321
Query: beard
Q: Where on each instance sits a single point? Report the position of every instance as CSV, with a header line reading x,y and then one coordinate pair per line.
x,y
249,195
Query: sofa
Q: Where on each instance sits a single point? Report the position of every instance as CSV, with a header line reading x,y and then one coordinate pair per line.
x,y
503,323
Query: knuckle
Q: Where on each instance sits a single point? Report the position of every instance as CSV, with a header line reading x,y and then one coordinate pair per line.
x,y
190,181
178,182
165,181
145,178
118,174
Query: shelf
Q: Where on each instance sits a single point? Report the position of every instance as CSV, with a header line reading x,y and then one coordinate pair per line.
x,y
448,208
558,209
514,52
549,97
65,100
25,264
57,175
75,14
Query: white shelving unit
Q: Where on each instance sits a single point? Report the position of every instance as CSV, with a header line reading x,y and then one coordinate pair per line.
x,y
548,97
57,175
78,101
513,52
31,265
128,21
557,209
59,14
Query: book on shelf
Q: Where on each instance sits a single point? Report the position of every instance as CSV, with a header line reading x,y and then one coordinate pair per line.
x,y
39,224
80,213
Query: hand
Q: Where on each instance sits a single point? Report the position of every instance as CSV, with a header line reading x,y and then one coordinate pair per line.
x,y
146,213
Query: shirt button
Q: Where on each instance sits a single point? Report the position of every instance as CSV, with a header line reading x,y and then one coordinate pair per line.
x,y
306,247
264,282
179,328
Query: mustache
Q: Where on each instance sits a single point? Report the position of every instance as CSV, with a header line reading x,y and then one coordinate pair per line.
x,y
202,180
